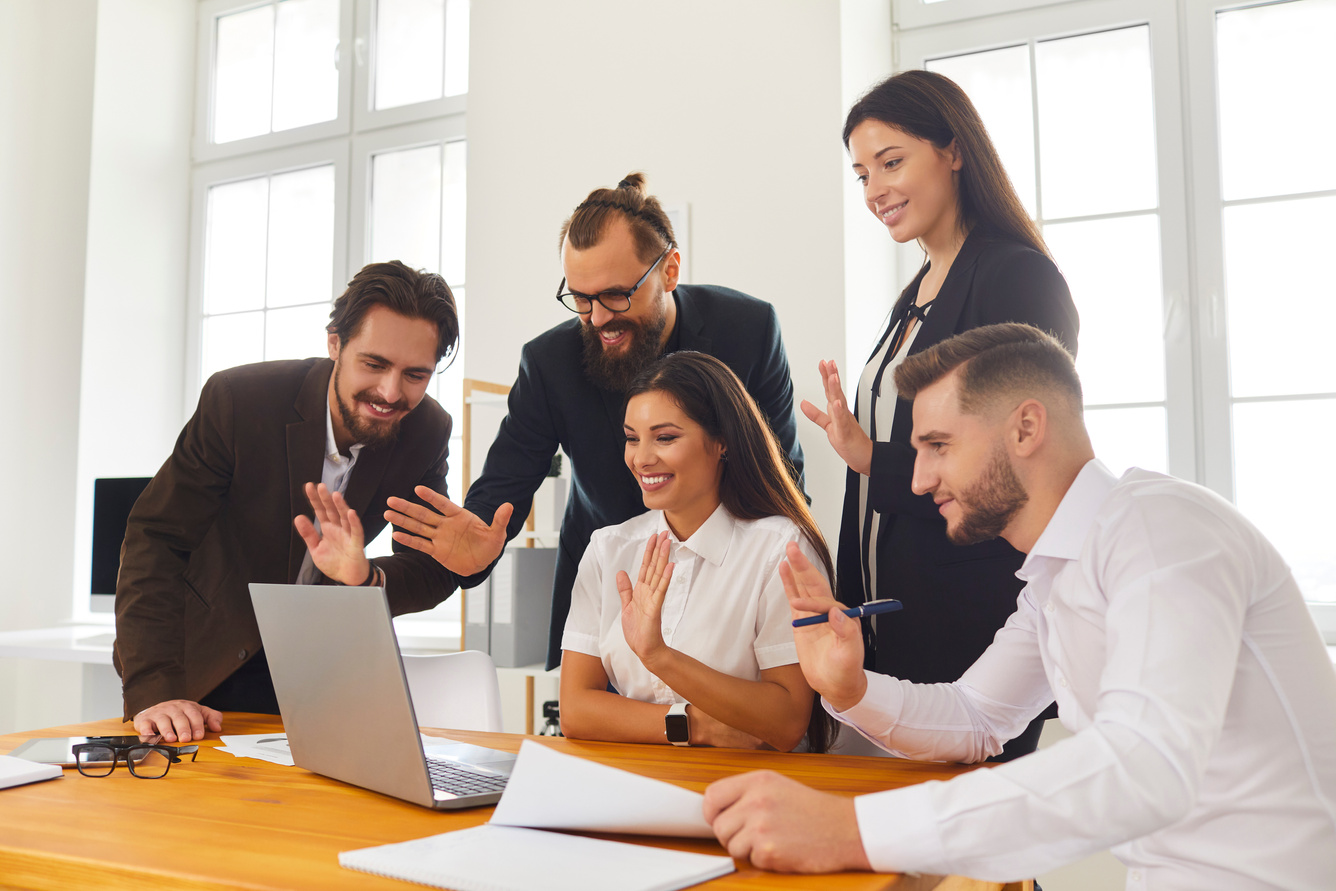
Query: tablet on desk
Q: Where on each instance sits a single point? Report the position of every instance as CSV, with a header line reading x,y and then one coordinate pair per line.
x,y
60,749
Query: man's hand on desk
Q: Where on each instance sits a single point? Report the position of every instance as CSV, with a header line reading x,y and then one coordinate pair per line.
x,y
458,540
337,547
178,720
831,653
783,826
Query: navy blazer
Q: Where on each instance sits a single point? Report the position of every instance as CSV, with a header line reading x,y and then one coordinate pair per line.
x,y
553,403
955,598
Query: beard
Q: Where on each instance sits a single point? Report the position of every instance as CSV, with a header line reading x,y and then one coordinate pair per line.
x,y
989,504
369,433
615,371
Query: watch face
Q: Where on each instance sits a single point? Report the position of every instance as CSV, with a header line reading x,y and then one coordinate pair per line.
x,y
676,728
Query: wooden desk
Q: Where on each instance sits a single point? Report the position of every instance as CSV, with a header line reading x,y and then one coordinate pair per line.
x,y
237,823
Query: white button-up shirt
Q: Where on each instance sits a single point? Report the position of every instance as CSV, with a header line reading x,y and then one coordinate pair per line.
x,y
334,473
1182,656
725,604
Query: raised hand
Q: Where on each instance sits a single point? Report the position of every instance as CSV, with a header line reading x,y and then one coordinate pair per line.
x,y
455,537
642,604
831,653
842,429
337,547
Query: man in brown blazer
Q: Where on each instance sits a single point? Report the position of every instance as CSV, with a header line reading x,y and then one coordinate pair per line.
x,y
234,502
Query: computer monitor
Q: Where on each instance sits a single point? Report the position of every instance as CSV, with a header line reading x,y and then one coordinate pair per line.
x,y
112,500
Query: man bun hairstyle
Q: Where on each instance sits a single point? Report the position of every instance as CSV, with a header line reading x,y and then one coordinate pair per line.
x,y
414,294
998,363
650,227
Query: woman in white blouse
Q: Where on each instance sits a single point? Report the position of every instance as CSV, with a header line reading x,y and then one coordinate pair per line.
x,y
699,649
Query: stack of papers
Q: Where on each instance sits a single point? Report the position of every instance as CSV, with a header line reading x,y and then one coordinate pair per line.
x,y
550,790
271,747
20,771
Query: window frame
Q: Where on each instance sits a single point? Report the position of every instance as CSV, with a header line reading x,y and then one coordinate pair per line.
x,y
1198,400
348,142
204,177
1031,26
206,55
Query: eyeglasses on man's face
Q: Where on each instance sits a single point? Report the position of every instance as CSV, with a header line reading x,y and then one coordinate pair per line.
x,y
612,301
148,760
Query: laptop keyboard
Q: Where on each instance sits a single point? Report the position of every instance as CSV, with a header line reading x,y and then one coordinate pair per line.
x,y
449,777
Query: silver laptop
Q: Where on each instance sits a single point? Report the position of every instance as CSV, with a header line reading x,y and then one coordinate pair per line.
x,y
345,701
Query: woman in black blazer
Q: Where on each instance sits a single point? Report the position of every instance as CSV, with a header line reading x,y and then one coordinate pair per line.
x,y
930,173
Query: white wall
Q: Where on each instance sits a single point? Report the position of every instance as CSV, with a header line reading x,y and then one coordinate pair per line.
x,y
130,411
93,207
46,103
732,107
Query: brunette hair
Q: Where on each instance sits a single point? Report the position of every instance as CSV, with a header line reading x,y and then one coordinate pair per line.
x,y
650,226
932,107
1010,361
415,294
758,480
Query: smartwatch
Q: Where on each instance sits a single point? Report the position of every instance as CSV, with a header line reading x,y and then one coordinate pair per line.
x,y
676,726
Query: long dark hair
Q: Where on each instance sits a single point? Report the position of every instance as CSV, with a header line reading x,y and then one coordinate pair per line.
x,y
932,107
758,480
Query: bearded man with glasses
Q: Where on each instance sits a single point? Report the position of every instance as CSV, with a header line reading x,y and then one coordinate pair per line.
x,y
571,385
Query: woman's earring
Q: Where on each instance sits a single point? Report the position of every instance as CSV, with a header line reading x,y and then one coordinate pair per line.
x,y
723,456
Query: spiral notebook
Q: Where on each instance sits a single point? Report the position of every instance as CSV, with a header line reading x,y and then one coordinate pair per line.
x,y
511,858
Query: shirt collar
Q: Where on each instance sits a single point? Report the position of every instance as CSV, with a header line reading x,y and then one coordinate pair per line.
x,y
1067,530
331,445
711,540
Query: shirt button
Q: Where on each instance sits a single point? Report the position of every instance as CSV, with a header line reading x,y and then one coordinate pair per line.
x,y
1048,607
1062,682
1135,875
241,655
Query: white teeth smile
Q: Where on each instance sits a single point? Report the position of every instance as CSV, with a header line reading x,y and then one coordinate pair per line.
x,y
654,480
890,212
381,409
611,336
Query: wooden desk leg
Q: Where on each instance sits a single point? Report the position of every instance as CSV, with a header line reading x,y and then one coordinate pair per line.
x,y
528,704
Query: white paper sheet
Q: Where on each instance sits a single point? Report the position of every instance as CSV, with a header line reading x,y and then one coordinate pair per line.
x,y
271,747
550,790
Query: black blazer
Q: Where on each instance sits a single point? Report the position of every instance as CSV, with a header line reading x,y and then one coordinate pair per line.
x,y
218,515
955,598
553,403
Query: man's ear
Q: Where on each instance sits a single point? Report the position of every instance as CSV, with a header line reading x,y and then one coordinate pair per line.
x,y
332,341
1029,428
672,269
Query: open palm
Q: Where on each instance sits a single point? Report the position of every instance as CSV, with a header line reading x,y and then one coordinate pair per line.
x,y
642,603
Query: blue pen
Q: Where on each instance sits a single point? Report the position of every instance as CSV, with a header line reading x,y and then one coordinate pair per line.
x,y
871,608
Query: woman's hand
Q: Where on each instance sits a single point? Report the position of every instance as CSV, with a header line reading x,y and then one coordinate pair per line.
x,y
706,730
842,429
642,604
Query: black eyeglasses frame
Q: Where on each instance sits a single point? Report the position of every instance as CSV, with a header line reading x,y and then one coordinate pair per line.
x,y
173,754
620,296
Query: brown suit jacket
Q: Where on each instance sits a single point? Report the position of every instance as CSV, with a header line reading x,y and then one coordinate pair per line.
x,y
218,516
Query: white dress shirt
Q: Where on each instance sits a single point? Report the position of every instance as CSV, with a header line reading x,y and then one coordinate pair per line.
x,y
725,604
334,473
883,407
1183,658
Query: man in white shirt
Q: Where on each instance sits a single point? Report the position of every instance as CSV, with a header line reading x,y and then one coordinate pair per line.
x,y
1170,632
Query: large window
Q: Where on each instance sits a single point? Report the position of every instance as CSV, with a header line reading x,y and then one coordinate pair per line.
x,y
329,134
1203,321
